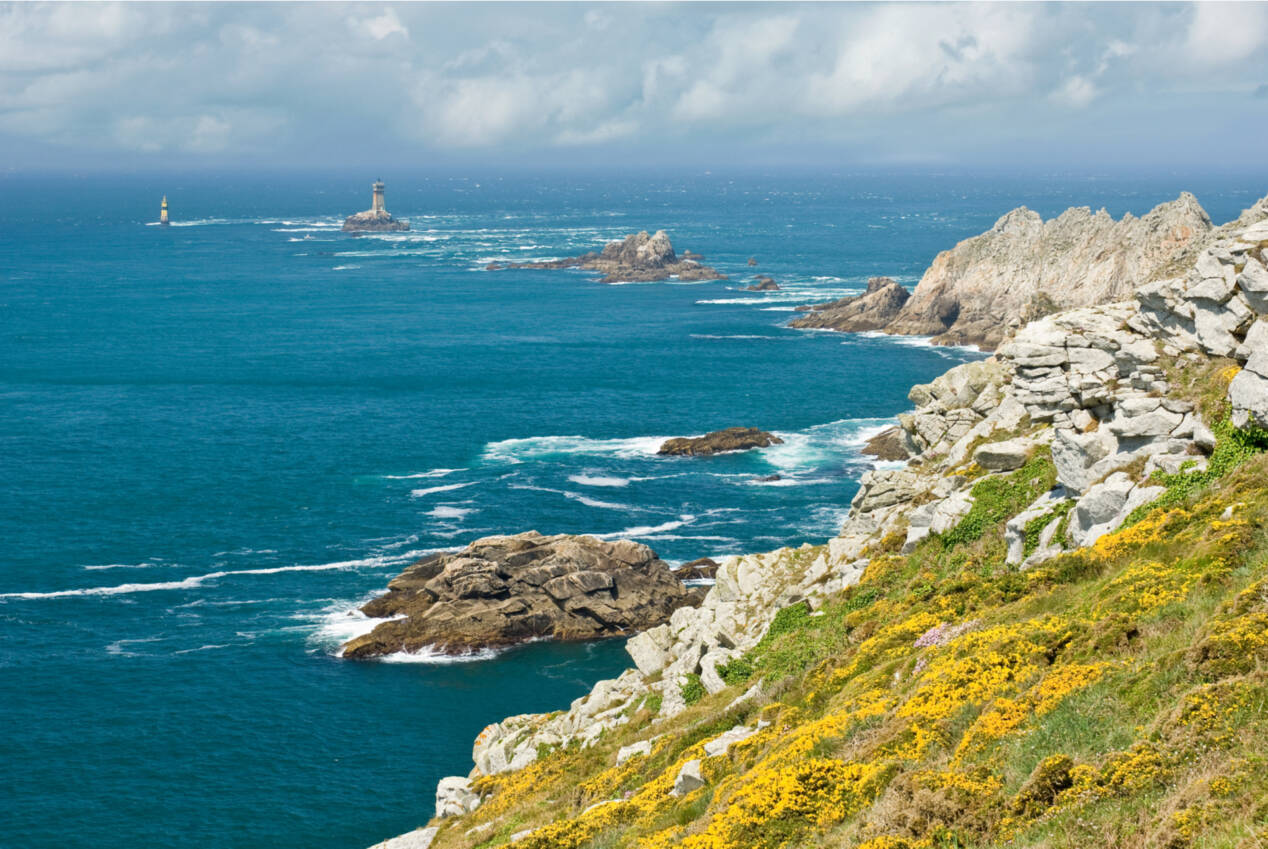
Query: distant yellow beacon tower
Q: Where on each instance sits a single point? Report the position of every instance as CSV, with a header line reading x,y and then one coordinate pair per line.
x,y
163,211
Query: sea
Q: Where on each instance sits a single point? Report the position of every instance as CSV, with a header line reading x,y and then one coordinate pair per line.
x,y
218,438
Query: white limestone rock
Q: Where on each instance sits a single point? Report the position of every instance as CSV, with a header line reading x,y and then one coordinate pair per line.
x,y
455,797
1076,455
419,838
689,779
642,747
1003,456
721,744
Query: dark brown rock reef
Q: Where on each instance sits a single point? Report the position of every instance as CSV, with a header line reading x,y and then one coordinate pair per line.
x,y
504,590
718,442
638,258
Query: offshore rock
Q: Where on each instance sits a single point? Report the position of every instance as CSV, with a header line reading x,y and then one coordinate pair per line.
x,y
888,445
873,310
764,283
718,442
503,590
373,221
638,258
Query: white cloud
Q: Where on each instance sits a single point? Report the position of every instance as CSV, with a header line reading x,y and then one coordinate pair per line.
x,y
1077,91
381,27
1226,33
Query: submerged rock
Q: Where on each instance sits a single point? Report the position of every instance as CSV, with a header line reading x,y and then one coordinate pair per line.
x,y
503,590
638,258
718,442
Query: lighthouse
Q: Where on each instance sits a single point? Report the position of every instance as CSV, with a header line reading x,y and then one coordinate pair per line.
x,y
163,212
376,217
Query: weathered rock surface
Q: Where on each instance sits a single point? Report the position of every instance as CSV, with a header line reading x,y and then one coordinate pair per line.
x,y
373,220
702,569
890,445
718,442
455,797
689,779
873,310
504,590
986,287
419,838
765,283
639,258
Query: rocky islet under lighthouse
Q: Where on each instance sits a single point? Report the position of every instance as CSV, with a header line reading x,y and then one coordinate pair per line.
x,y
376,218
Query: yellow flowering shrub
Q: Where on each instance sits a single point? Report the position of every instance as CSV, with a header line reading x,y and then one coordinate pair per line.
x,y
1143,588
774,806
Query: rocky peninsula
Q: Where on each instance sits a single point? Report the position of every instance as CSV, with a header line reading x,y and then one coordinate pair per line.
x,y
638,258
499,591
1077,532
985,288
718,442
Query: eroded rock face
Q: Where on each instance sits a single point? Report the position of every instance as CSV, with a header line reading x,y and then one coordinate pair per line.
x,y
873,310
888,445
499,591
638,258
718,442
984,288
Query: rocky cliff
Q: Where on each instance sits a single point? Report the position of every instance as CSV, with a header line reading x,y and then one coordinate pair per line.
x,y
986,287
1046,629
638,258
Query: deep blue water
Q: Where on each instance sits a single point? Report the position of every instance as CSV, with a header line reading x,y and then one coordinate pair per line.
x,y
217,438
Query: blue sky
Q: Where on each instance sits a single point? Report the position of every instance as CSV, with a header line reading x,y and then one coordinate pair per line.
x,y
973,86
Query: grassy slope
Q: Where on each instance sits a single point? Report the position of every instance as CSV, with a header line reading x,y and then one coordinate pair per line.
x,y
1117,696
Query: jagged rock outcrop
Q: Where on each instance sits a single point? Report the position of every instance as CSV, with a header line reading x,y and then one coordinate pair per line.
x,y
503,590
875,309
372,221
888,445
984,288
638,258
719,442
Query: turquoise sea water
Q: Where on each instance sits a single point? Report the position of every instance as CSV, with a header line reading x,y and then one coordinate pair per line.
x,y
217,438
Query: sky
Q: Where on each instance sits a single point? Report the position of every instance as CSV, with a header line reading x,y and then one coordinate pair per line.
x,y
1079,87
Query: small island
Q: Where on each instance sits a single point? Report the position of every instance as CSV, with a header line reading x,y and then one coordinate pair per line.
x,y
719,442
376,218
638,258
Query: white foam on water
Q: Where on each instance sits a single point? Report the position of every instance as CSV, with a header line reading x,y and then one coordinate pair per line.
x,y
207,647
647,530
736,336
779,309
599,480
889,464
535,447
921,342
104,566
418,493
195,581
117,647
438,658
790,482
594,502
433,473
447,511
339,623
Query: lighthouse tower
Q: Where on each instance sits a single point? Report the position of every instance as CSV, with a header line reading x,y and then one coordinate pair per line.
x,y
163,212
377,206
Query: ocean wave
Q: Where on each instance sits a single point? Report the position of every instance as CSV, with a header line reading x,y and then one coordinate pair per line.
x,y
579,498
195,581
342,622
117,647
448,511
206,647
438,658
536,447
920,342
599,480
736,336
791,482
450,487
432,473
345,267
778,309
822,444
648,530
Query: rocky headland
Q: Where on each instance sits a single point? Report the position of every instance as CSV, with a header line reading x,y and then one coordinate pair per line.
x,y
718,442
499,591
638,258
985,288
1045,629
875,309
